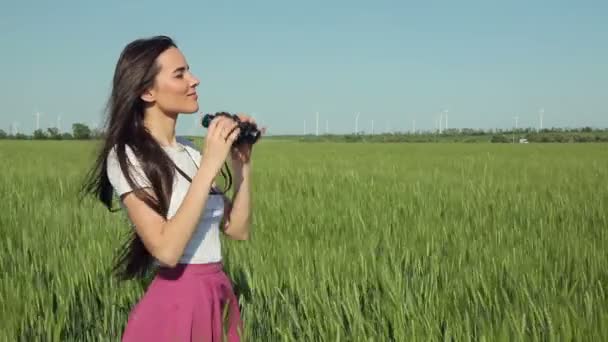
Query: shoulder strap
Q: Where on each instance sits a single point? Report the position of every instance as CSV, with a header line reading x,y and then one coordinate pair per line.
x,y
213,191
181,172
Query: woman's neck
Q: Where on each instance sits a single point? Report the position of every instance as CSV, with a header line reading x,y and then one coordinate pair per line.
x,y
161,126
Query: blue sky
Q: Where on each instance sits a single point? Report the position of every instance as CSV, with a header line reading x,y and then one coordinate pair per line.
x,y
392,61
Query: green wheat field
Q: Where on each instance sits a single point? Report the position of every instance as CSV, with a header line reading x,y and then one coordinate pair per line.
x,y
351,242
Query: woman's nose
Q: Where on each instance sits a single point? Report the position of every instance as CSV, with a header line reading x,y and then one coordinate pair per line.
x,y
194,81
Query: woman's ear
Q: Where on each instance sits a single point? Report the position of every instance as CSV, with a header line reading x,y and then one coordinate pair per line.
x,y
148,96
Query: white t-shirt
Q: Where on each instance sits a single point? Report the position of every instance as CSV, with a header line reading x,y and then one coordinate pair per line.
x,y
204,245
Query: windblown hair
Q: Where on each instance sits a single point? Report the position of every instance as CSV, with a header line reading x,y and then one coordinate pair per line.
x,y
135,72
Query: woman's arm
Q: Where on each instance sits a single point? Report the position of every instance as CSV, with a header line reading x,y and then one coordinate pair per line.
x,y
167,239
237,213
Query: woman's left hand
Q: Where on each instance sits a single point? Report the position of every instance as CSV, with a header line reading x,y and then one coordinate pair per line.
x,y
241,155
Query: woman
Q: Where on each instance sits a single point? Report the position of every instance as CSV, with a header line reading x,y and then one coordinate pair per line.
x,y
168,191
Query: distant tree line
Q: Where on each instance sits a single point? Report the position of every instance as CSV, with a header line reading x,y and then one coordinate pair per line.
x,y
80,131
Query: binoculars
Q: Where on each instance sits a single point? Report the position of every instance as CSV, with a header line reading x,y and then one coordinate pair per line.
x,y
249,133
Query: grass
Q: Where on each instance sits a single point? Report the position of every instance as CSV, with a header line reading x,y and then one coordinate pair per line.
x,y
363,242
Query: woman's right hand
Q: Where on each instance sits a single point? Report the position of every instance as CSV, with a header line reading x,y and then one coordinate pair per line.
x,y
218,143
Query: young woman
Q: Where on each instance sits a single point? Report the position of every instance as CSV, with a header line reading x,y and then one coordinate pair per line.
x,y
168,191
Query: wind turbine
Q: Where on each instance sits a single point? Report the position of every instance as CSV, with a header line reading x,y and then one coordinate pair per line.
x,y
37,115
541,114
357,123
516,125
372,126
438,124
317,128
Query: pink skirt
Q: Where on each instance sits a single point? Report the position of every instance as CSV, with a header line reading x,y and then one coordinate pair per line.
x,y
191,302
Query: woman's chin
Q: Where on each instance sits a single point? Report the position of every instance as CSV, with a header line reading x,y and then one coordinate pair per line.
x,y
190,110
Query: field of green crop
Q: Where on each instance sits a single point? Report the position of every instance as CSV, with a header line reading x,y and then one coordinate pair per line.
x,y
362,242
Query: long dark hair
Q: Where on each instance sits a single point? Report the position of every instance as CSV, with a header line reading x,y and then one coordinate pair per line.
x,y
135,72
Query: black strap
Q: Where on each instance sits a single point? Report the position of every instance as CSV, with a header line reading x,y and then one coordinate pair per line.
x,y
182,173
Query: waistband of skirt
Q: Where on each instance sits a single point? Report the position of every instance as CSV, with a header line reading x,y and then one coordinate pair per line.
x,y
190,269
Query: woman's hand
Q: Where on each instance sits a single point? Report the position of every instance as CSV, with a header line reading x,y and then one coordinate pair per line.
x,y
241,155
218,142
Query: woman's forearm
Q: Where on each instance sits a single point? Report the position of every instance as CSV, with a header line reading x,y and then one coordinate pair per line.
x,y
240,214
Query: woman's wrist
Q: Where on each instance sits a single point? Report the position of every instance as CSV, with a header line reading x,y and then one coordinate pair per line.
x,y
204,178
241,174
241,168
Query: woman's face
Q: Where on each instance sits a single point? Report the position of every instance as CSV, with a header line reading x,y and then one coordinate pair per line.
x,y
174,89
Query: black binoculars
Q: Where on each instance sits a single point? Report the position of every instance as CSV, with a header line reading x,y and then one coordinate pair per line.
x,y
249,133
